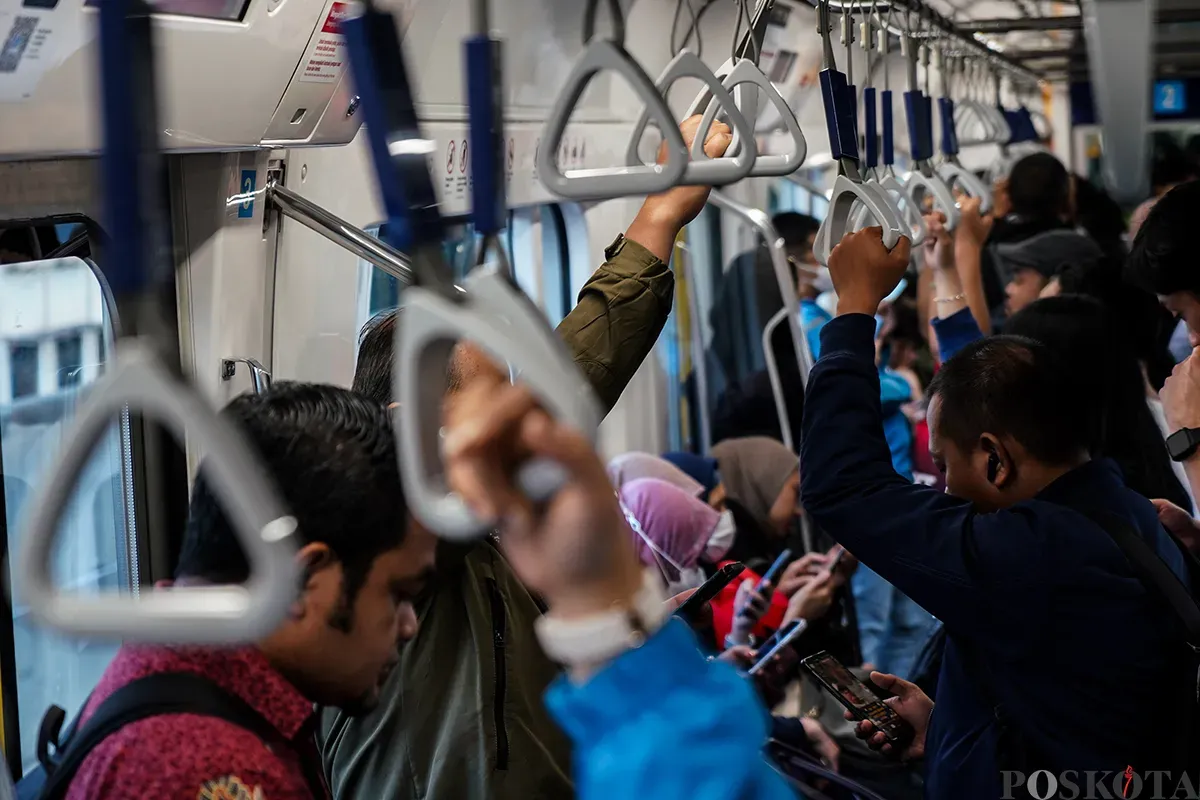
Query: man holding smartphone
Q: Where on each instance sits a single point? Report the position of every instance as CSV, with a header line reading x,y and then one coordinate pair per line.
x,y
1016,557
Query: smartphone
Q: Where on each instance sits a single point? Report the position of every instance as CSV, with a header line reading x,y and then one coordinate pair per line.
x,y
690,608
775,645
857,697
773,572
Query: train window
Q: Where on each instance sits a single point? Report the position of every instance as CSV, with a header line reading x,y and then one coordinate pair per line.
x,y
540,258
55,330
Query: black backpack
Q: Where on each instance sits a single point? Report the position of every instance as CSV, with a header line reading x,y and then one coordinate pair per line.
x,y
1014,751
152,696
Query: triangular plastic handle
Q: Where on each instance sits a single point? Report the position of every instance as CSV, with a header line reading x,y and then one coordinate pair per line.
x,y
201,615
498,317
918,183
592,184
710,172
841,205
918,231
745,74
954,173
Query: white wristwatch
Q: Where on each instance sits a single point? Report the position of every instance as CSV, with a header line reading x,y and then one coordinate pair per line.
x,y
601,637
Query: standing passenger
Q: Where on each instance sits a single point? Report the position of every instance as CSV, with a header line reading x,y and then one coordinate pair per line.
x,y
462,716
1013,559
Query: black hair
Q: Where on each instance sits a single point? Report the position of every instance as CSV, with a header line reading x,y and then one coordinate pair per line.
x,y
1100,363
376,346
1135,312
1039,187
332,455
1100,216
1163,256
795,228
1014,386
373,372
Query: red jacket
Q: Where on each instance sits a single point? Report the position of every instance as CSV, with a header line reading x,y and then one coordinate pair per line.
x,y
722,609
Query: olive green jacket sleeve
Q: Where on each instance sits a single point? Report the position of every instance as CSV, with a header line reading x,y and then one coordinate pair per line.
x,y
621,311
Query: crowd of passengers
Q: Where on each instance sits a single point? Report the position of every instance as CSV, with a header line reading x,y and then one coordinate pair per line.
x,y
968,440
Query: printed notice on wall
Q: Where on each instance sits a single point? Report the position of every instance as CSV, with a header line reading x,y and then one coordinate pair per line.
x,y
326,55
32,41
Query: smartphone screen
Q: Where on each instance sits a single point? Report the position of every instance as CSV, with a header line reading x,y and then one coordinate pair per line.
x,y
772,573
856,696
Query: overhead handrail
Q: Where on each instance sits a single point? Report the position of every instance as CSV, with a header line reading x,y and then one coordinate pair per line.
x,y
590,184
135,209
260,376
491,312
848,187
340,232
923,178
705,171
884,174
951,169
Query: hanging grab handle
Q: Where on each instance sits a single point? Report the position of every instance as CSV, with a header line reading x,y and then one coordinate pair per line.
x,y
706,171
134,183
593,184
747,83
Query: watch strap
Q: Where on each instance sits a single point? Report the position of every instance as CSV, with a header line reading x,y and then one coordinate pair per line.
x,y
1182,444
601,637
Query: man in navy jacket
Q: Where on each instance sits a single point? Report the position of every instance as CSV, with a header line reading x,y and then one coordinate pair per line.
x,y
1043,612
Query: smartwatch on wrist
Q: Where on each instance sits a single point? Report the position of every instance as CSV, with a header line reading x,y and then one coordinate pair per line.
x,y
1182,444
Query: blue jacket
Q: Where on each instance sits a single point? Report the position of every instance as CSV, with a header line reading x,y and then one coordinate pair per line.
x,y
662,722
1074,646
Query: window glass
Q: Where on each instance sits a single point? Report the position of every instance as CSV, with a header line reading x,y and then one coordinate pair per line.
x,y
54,336
379,291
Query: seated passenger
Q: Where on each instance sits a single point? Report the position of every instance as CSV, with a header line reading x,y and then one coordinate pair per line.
x,y
671,530
648,716
333,456
1028,585
461,718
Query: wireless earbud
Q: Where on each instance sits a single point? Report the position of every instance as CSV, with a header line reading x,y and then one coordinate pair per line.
x,y
993,467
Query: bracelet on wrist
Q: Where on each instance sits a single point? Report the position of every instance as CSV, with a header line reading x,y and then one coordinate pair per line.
x,y
952,298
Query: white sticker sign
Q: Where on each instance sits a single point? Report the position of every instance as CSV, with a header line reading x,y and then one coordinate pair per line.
x,y
326,56
32,42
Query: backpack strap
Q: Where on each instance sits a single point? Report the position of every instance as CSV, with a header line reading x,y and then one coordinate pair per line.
x,y
152,696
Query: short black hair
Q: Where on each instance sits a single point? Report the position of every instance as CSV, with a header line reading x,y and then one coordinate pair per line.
x,y
1011,385
332,455
1039,187
1163,257
795,228
376,346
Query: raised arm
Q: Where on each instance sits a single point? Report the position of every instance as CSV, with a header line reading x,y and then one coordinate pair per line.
x,y
931,546
625,304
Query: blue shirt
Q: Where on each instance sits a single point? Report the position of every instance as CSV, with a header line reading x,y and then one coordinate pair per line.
x,y
812,319
662,722
1076,649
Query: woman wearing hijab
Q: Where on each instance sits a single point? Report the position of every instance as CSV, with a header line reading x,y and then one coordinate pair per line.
x,y
672,529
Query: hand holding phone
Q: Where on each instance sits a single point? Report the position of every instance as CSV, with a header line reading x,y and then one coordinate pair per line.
x,y
690,610
879,719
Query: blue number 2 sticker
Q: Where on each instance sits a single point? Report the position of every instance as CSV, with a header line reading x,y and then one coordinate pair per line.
x,y
246,207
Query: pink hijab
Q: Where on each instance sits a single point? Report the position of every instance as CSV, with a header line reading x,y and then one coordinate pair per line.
x,y
678,524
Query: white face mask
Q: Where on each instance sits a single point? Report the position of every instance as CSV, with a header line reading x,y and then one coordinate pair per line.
x,y
721,539
822,282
